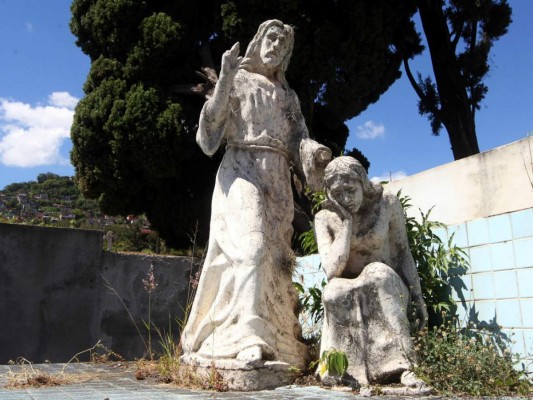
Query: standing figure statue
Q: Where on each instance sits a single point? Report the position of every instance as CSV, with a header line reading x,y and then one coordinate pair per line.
x,y
373,281
244,311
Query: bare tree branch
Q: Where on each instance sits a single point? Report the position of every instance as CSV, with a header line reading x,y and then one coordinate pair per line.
x,y
412,80
457,37
417,88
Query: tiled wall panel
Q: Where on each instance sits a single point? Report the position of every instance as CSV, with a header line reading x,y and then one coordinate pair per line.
x,y
501,273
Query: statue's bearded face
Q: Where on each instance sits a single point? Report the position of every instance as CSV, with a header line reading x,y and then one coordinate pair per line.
x,y
274,47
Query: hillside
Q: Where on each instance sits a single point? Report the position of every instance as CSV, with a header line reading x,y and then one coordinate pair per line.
x,y
51,199
54,200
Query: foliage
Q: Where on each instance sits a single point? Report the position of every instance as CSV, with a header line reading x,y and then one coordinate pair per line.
x,y
311,301
134,131
55,187
439,264
311,298
46,195
460,35
308,242
467,361
332,361
134,237
52,197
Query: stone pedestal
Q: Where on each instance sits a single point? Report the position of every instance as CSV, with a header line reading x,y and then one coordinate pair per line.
x,y
240,376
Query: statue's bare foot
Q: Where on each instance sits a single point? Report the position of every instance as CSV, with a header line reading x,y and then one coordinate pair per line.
x,y
250,355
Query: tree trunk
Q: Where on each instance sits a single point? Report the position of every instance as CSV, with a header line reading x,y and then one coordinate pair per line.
x,y
456,114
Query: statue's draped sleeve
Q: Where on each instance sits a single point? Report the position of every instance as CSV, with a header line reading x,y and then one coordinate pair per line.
x,y
211,129
311,157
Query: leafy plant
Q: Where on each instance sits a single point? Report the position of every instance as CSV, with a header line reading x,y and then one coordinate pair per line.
x,y
307,239
311,298
468,361
311,301
439,264
333,361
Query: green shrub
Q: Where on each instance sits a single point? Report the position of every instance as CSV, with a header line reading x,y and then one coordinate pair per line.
x,y
466,361
439,264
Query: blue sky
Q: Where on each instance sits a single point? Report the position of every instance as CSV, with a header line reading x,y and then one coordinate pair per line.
x,y
42,73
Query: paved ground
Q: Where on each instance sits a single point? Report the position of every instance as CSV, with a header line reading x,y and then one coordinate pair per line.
x,y
118,382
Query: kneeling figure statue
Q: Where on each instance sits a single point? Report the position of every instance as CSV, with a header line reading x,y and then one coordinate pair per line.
x,y
373,282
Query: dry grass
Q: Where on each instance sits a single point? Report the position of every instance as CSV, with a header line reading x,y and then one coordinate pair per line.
x,y
171,371
27,375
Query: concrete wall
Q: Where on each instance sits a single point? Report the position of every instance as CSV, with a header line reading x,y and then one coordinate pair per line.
x,y
486,201
54,302
125,274
491,183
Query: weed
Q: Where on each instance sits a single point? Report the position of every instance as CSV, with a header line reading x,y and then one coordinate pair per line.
x,y
110,287
168,367
149,285
468,361
29,376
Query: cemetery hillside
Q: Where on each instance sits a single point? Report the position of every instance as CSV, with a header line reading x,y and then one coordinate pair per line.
x,y
54,200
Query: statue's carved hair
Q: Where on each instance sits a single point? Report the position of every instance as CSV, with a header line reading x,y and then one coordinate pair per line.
x,y
252,59
349,166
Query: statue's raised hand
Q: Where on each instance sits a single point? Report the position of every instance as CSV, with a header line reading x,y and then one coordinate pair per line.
x,y
231,62
230,65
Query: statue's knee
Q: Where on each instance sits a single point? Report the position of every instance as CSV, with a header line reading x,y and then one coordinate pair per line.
x,y
378,267
379,271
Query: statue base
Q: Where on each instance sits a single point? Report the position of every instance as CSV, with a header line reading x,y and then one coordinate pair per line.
x,y
239,376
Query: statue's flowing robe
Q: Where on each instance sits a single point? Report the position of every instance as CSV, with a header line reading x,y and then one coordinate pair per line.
x,y
245,296
366,317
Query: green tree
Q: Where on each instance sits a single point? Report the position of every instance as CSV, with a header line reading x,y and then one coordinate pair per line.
x,y
41,178
154,62
460,35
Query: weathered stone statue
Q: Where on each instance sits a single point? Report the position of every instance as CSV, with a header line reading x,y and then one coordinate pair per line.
x,y
373,280
244,313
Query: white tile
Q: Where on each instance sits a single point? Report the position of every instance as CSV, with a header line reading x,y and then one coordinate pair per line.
x,y
508,313
483,286
505,285
478,232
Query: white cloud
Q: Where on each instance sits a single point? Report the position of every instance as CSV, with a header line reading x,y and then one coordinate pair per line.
x,y
389,177
29,27
370,130
32,135
62,99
